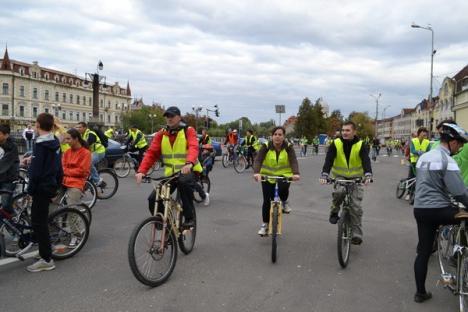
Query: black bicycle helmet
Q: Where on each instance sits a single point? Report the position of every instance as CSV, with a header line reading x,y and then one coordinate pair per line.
x,y
453,132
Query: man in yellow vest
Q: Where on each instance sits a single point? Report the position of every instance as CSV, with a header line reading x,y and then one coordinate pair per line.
x,y
177,147
137,142
252,144
348,158
418,146
97,149
109,133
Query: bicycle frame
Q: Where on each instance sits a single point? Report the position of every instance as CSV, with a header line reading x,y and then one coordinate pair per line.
x,y
276,202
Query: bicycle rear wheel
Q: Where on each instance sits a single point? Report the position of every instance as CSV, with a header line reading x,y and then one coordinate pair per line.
x,y
122,167
344,239
89,194
401,188
109,185
186,238
69,231
240,164
14,243
152,258
206,186
274,232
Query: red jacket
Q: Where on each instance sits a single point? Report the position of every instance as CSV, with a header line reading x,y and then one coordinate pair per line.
x,y
76,167
154,151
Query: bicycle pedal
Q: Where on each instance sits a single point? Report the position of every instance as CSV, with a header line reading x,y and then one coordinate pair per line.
x,y
446,280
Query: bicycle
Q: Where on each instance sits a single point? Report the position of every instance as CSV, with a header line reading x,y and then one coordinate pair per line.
x,y
407,186
275,226
68,230
345,226
452,246
109,184
160,235
228,157
240,160
123,165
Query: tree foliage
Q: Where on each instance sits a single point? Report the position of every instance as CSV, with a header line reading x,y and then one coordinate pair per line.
x,y
310,120
334,122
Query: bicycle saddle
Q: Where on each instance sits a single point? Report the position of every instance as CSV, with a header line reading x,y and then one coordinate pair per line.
x,y
462,215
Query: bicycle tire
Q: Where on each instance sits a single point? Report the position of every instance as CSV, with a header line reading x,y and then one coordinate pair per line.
x,y
13,242
344,240
63,228
444,247
206,186
225,160
274,232
110,184
186,245
89,194
401,189
84,209
122,167
140,275
240,164
463,282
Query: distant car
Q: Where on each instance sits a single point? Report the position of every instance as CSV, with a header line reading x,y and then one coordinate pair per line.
x,y
113,152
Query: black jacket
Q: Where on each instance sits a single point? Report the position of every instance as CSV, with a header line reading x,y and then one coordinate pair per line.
x,y
45,171
9,161
347,145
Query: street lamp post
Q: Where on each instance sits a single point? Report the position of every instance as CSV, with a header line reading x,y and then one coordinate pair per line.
x,y
152,116
433,52
96,81
376,98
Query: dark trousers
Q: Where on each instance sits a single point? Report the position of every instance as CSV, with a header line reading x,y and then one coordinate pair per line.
x,y
139,157
39,222
268,190
428,221
184,185
412,171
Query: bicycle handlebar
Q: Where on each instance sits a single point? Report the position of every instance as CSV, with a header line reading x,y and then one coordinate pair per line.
x,y
347,181
148,179
267,177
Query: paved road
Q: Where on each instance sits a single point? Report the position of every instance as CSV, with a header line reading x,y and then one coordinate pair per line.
x,y
230,269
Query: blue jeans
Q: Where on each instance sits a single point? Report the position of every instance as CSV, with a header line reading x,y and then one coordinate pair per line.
x,y
96,158
7,200
29,145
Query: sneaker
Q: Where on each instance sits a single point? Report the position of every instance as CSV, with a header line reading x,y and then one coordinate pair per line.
x,y
286,208
422,297
206,202
263,229
333,218
356,240
407,197
41,265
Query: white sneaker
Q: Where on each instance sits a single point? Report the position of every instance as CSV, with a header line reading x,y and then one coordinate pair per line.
x,y
206,202
41,265
263,229
286,208
407,197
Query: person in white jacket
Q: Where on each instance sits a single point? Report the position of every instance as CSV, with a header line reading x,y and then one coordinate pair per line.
x,y
29,136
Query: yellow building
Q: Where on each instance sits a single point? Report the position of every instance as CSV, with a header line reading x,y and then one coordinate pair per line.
x,y
460,107
29,89
443,108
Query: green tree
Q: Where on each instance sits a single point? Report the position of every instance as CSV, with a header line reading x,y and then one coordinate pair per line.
x,y
140,118
310,120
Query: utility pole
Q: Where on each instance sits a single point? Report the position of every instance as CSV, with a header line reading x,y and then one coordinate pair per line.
x,y
376,110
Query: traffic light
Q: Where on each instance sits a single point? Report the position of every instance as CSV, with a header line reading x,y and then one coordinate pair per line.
x,y
217,113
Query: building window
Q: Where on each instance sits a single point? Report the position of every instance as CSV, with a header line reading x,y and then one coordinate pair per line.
x,y
90,101
116,119
108,118
46,76
56,78
35,93
21,71
21,112
77,116
101,105
5,88
34,111
71,115
34,74
77,99
101,118
22,91
56,96
64,115
5,109
71,98
108,104
46,95
64,98
46,110
84,116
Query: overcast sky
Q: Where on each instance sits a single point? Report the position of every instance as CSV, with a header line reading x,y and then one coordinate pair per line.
x,y
247,56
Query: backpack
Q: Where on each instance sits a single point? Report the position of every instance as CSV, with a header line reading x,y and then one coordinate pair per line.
x,y
104,139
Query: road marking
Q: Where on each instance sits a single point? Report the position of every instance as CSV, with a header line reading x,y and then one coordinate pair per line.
x,y
14,259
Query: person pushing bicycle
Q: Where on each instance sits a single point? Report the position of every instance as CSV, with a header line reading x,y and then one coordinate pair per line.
x,y
177,147
437,177
275,158
348,158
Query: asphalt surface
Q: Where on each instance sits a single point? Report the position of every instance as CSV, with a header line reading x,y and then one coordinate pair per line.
x,y
230,268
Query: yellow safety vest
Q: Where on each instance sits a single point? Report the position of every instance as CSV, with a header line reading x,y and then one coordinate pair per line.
x,y
174,157
272,166
419,147
63,146
96,147
341,168
109,133
142,143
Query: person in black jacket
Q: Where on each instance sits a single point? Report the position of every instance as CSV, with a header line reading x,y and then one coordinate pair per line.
x,y
9,167
45,173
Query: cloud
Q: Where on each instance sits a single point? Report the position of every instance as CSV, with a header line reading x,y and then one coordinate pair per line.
x,y
247,56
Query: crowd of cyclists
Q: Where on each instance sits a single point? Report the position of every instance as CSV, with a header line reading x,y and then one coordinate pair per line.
x,y
66,158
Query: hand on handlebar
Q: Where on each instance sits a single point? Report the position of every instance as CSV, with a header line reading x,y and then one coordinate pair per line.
x,y
139,177
323,179
296,177
186,169
257,177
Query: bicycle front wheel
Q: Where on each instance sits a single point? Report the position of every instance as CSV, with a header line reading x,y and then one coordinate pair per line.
x,y
122,167
344,239
69,231
152,252
463,282
109,185
401,189
225,160
89,194
206,186
274,232
240,163
187,236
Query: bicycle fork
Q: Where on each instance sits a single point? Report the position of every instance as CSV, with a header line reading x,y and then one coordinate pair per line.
x,y
275,201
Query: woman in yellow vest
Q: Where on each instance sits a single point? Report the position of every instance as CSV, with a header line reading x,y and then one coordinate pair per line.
x,y
418,146
137,142
275,158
